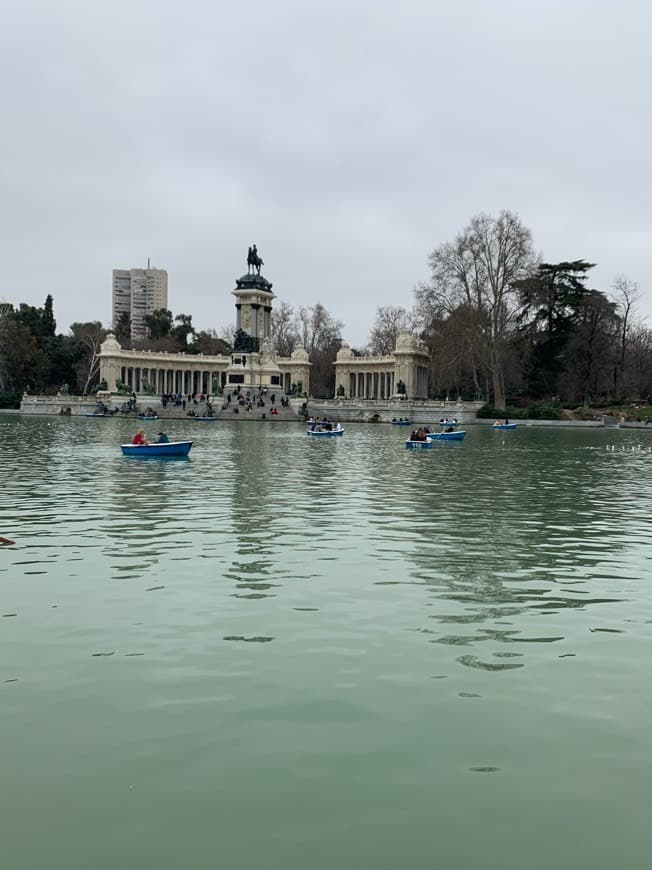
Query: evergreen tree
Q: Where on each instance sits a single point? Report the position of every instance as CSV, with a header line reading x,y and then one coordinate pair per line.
x,y
49,324
552,301
159,323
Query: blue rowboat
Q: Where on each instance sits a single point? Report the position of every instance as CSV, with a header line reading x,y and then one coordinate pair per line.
x,y
326,433
148,416
457,435
418,445
504,426
448,423
147,451
401,422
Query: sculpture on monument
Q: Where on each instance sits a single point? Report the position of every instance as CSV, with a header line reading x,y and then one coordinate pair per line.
x,y
268,354
253,260
245,343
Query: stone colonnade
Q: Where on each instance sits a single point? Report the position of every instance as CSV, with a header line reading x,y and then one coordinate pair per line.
x,y
156,372
403,373
371,384
141,379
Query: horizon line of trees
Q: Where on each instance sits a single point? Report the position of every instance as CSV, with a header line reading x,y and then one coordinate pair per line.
x,y
500,325
505,327
34,357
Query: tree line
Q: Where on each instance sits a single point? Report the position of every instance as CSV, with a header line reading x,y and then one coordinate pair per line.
x,y
35,358
503,326
500,325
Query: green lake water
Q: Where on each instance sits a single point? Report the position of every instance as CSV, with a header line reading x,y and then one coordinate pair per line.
x,y
288,652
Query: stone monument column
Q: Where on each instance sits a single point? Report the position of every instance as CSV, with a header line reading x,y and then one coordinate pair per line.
x,y
253,361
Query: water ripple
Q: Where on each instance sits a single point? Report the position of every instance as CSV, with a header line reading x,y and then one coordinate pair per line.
x,y
361,532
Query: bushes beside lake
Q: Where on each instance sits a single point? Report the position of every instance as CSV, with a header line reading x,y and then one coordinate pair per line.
x,y
535,411
10,400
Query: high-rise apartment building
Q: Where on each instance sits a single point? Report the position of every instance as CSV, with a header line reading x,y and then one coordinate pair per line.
x,y
138,292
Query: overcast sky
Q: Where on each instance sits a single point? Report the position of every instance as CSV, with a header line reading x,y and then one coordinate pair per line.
x,y
347,139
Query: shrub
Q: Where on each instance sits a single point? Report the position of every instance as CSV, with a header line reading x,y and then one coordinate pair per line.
x,y
535,411
10,400
544,411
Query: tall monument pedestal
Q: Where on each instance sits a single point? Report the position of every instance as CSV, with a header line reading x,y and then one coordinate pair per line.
x,y
253,360
253,370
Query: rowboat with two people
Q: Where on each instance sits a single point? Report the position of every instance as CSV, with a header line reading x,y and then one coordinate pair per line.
x,y
425,438
155,450
503,424
325,429
143,448
401,422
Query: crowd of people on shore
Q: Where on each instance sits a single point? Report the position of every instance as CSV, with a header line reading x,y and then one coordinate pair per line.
x,y
181,400
247,400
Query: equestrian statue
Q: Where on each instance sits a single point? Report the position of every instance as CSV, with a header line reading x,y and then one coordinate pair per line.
x,y
254,261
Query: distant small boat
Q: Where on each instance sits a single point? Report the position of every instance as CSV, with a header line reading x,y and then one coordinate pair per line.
x,y
446,423
165,448
148,416
101,410
418,445
456,435
401,422
504,426
320,432
208,418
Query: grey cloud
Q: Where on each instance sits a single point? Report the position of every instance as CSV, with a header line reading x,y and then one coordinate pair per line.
x,y
345,139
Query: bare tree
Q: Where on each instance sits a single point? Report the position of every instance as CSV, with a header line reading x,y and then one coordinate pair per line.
x,y
319,330
284,328
591,350
626,295
390,321
480,269
322,337
639,362
227,333
90,336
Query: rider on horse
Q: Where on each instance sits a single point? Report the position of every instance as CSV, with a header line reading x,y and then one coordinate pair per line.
x,y
253,260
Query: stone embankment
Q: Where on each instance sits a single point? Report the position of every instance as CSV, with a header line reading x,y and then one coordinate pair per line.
x,y
342,410
78,406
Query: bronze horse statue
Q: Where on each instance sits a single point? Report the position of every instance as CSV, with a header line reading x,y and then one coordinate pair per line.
x,y
253,260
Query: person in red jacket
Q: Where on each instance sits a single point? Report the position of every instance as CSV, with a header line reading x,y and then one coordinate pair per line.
x,y
139,437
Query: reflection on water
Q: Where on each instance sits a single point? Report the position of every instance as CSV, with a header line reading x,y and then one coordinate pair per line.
x,y
403,591
508,528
